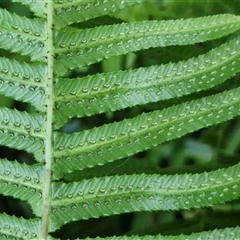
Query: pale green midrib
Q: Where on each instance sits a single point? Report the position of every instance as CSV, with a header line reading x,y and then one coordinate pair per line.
x,y
23,34
172,79
21,182
73,4
23,82
162,192
133,36
140,133
16,130
17,80
49,131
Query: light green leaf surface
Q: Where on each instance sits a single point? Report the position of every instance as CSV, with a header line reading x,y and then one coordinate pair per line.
x,y
117,90
50,49
22,81
75,49
23,141
12,227
68,12
22,122
120,194
22,131
22,35
121,139
36,6
23,182
227,233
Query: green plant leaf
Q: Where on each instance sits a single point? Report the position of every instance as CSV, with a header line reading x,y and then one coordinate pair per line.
x,y
228,233
50,61
117,90
19,227
21,122
120,194
121,139
35,5
75,49
67,13
22,131
23,182
23,81
22,35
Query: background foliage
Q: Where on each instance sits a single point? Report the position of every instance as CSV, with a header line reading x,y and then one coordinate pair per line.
x,y
204,150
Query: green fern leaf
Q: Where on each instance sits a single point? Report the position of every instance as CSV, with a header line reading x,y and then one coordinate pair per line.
x,y
67,12
113,91
37,7
22,35
22,142
60,39
21,122
23,182
114,195
75,49
121,139
23,81
228,233
18,227
22,131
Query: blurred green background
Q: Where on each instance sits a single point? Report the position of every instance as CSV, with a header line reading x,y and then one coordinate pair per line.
x,y
204,150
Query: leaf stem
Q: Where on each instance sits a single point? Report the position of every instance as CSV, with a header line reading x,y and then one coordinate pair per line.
x,y
49,122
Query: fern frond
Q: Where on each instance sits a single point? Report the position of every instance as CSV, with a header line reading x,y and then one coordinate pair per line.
x,y
36,6
121,139
68,12
13,227
120,194
23,81
22,131
22,141
117,90
227,233
125,167
21,122
23,182
61,39
75,49
22,35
